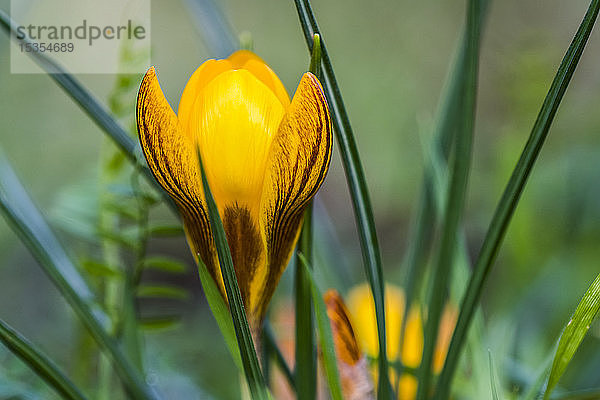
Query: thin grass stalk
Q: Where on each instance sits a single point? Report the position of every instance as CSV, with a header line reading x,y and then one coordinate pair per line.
x,y
252,371
455,197
510,197
305,370
28,223
39,363
358,189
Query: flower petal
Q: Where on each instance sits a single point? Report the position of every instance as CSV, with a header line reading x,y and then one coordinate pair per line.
x,y
298,162
352,364
172,158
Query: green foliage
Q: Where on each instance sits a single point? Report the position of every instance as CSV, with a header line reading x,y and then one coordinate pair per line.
x,y
573,334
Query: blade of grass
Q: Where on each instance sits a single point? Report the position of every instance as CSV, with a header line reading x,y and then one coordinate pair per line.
x,y
325,335
423,225
220,311
89,104
455,196
39,363
511,196
573,334
358,189
252,371
305,349
30,226
492,378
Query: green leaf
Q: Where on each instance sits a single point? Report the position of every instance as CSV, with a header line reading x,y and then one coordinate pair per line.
x,y
357,184
573,334
30,225
164,264
89,104
325,335
493,378
252,371
510,197
159,323
39,363
220,311
305,347
454,204
96,268
166,231
162,291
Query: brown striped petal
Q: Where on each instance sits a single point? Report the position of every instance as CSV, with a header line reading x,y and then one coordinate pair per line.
x,y
352,364
298,162
171,156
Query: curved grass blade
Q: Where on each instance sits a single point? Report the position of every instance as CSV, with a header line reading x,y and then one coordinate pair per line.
x,y
220,311
455,196
39,363
30,226
492,378
325,335
252,371
511,196
305,371
305,349
423,225
89,104
358,188
573,334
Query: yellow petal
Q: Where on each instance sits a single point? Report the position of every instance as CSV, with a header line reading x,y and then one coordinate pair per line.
x,y
210,69
352,364
362,308
234,120
412,348
298,161
171,156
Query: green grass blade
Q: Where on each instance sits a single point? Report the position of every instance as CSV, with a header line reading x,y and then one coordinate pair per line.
x,y
455,196
573,334
220,311
358,188
425,216
30,226
305,347
325,335
511,195
39,363
252,371
88,103
493,378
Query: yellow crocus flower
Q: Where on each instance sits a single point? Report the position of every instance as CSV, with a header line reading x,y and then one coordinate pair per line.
x,y
362,309
265,157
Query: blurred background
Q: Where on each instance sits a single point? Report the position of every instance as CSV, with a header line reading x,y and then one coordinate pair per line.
x,y
391,59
